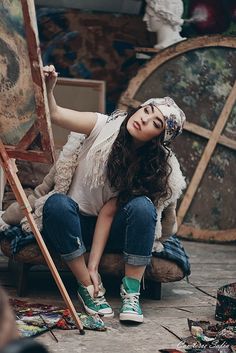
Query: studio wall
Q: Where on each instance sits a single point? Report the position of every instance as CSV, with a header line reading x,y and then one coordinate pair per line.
x,y
93,46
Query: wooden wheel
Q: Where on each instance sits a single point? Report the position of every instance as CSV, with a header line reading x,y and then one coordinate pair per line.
x,y
200,75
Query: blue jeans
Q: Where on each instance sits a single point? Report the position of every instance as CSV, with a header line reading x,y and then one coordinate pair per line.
x,y
70,233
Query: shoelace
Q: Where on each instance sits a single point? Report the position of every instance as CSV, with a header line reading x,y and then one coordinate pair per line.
x,y
100,300
131,299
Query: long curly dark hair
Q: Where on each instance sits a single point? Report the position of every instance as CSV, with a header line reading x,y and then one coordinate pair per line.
x,y
138,171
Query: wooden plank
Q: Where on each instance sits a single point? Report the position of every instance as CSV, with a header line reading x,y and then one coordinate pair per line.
x,y
192,233
146,50
166,312
40,92
146,338
2,186
210,253
178,311
26,141
32,156
201,131
202,165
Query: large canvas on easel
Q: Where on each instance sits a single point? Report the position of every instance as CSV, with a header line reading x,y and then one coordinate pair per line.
x,y
25,126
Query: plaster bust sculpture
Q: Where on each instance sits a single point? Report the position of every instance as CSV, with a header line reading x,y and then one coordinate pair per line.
x,y
164,18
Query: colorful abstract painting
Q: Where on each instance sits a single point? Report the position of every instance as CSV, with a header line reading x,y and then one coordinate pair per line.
x,y
23,110
36,318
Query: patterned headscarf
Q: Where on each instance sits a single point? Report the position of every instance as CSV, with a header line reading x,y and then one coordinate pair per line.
x,y
173,115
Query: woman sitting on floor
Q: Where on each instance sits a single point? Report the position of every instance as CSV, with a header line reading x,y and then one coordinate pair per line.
x,y
113,187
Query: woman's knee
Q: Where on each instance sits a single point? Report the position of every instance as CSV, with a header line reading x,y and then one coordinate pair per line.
x,y
142,208
58,205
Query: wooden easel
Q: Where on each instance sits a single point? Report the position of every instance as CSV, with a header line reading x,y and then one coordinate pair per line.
x,y
10,170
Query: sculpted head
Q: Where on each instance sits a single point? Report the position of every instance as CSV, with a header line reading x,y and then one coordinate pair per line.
x,y
159,12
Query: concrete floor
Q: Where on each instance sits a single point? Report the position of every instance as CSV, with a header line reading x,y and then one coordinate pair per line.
x,y
212,266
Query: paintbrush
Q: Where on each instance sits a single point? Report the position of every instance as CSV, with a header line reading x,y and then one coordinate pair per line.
x,y
48,327
180,338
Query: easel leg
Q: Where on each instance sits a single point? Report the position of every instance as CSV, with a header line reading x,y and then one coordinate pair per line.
x,y
10,171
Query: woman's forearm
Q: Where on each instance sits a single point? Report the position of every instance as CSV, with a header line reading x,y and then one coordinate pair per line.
x,y
59,115
53,108
101,235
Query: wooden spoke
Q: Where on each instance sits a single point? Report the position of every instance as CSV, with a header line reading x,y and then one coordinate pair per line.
x,y
202,165
28,138
200,131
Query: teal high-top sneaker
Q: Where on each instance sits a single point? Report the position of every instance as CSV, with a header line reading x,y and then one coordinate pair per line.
x,y
97,305
130,291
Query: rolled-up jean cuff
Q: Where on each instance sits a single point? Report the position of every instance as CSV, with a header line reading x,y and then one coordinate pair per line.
x,y
73,255
137,260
